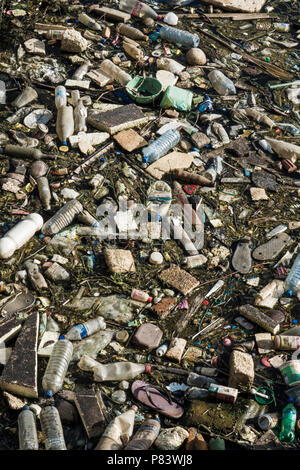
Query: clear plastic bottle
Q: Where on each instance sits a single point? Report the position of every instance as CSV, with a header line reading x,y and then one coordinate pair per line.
x,y
81,71
62,218
132,51
138,9
52,429
89,22
57,366
145,435
115,72
195,393
44,192
161,146
222,84
288,422
292,282
161,350
27,96
178,36
64,126
199,380
132,33
118,432
28,439
80,115
114,372
88,328
60,96
20,234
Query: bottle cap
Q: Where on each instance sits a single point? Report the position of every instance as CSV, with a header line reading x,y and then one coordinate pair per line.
x,y
25,407
145,159
48,394
148,369
291,400
149,300
289,292
62,337
64,147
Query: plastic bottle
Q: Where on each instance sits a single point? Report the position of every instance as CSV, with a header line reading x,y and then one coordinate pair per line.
x,y
64,126
268,421
139,9
81,71
161,350
161,146
20,234
62,218
27,96
89,22
118,432
170,65
292,282
22,152
60,96
145,435
115,72
216,444
80,115
132,33
288,422
132,51
85,329
207,371
57,366
195,393
199,380
28,439
223,85
140,295
178,36
44,192
52,429
114,372
87,219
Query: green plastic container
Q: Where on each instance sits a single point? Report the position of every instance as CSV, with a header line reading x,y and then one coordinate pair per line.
x,y
177,98
144,90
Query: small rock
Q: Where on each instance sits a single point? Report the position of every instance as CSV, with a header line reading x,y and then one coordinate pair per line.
x,y
169,292
72,41
13,402
185,145
35,46
124,385
171,438
119,396
258,194
195,56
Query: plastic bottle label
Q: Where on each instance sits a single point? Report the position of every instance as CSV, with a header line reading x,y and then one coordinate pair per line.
x,y
59,93
82,331
137,9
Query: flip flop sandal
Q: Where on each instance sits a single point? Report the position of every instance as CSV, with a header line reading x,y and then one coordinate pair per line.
x,y
241,260
19,302
155,397
272,248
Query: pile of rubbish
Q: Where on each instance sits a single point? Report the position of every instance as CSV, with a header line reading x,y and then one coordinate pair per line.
x,y
149,228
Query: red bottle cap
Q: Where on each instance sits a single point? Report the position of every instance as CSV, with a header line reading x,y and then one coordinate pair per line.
x,y
148,369
205,302
149,300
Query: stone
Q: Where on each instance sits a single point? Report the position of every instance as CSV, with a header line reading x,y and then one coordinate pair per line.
x,y
200,139
171,161
163,308
179,279
166,78
243,6
130,140
171,438
294,225
9,329
20,373
35,46
78,84
115,120
148,336
172,113
72,41
195,441
195,56
13,402
264,180
119,261
176,349
118,396
184,143
241,372
258,194
90,408
99,77
193,354
113,14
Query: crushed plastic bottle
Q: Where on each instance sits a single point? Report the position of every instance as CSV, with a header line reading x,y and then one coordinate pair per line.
x,y
178,36
118,432
115,372
28,439
88,328
161,146
52,429
62,218
223,85
57,366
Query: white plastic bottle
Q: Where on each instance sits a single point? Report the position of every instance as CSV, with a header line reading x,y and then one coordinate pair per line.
x,y
222,84
115,72
89,22
44,192
80,115
57,366
118,432
28,439
114,372
88,328
52,429
60,96
140,295
292,282
20,234
64,126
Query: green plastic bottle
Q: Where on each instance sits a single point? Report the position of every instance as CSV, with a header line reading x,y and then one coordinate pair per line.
x,y
288,423
216,444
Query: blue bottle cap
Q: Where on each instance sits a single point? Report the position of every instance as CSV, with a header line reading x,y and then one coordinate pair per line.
x,y
145,159
195,149
62,337
102,159
48,394
25,407
157,419
291,400
289,292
